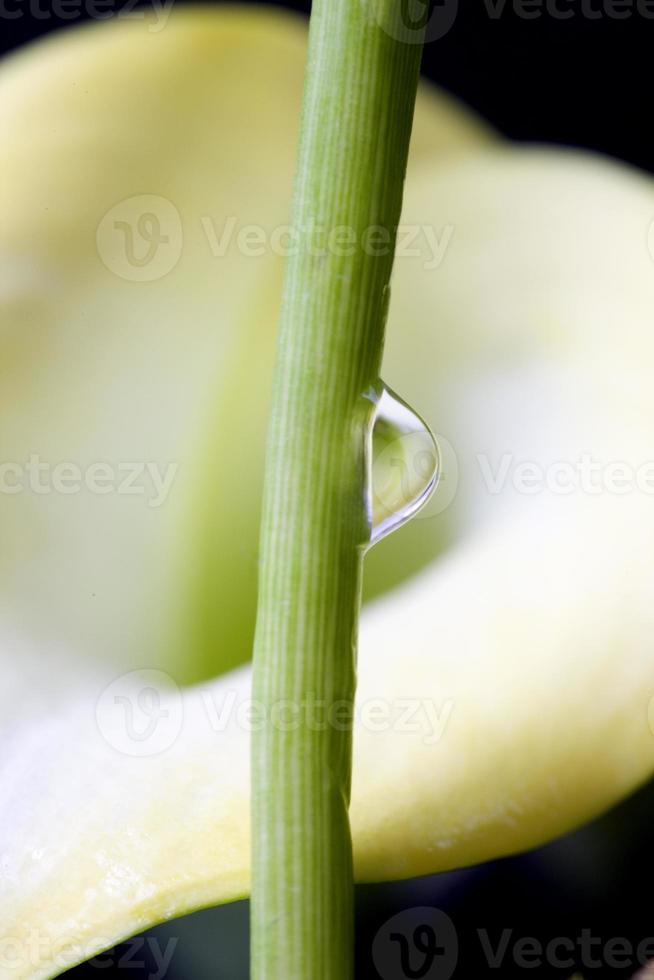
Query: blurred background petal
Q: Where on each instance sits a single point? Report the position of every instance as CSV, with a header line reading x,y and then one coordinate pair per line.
x,y
141,271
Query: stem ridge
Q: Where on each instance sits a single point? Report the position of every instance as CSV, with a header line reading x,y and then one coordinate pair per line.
x,y
356,121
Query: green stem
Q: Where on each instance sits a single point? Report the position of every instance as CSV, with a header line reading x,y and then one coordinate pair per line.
x,y
358,108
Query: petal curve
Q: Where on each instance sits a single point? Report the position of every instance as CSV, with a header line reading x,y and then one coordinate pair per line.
x,y
525,654
118,356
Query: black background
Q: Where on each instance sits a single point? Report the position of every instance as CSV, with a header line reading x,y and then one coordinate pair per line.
x,y
580,81
583,82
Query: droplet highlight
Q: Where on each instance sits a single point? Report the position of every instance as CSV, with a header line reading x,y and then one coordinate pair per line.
x,y
404,464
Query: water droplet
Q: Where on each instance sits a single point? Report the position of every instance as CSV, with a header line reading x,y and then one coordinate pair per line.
x,y
404,464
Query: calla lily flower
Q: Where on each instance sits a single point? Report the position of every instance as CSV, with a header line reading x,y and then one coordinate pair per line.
x,y
506,655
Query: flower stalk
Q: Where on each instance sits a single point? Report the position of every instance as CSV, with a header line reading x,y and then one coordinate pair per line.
x,y
356,121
